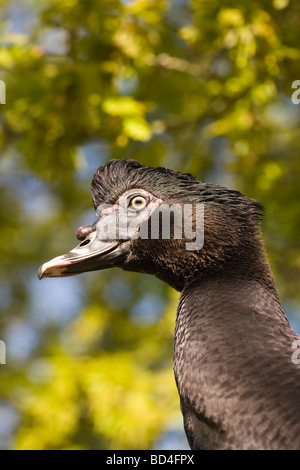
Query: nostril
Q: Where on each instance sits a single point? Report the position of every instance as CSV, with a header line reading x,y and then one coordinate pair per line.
x,y
85,242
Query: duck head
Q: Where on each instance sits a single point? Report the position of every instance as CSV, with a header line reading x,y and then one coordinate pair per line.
x,y
216,225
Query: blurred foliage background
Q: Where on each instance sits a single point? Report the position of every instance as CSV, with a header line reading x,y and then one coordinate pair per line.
x,y
201,87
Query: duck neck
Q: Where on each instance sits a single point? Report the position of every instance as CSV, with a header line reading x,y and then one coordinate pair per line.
x,y
194,268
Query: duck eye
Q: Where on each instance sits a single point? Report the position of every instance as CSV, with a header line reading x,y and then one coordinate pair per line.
x,y
138,203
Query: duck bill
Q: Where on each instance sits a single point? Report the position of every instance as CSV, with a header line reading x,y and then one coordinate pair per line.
x,y
90,255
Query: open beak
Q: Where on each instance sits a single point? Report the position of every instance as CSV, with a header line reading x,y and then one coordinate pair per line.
x,y
90,255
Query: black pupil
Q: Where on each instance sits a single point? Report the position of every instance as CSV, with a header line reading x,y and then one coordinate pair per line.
x,y
138,202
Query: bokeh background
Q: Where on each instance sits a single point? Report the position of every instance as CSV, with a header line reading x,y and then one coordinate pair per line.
x,y
202,87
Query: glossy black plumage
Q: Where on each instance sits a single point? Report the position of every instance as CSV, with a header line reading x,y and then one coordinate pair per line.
x,y
238,385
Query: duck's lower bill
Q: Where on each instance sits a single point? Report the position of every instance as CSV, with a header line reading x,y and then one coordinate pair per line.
x,y
92,254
